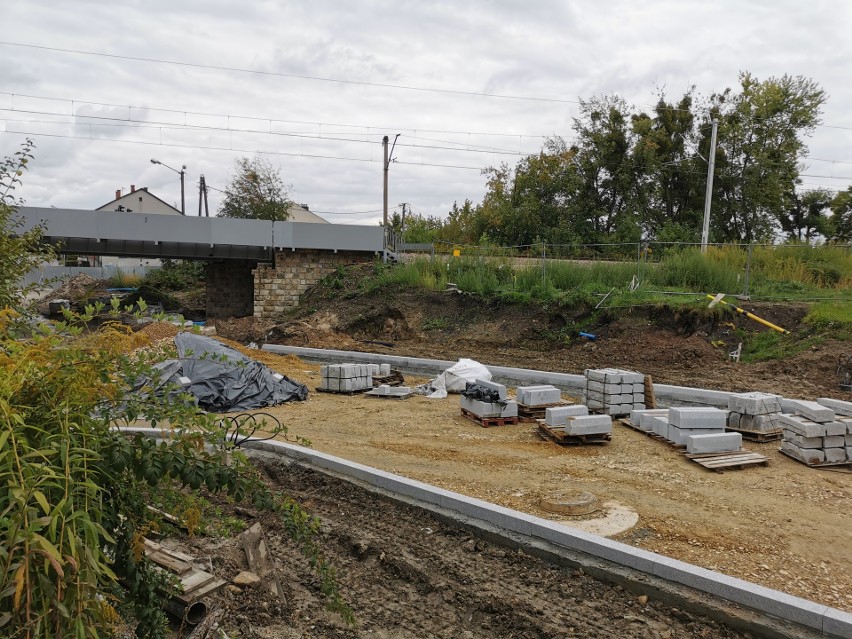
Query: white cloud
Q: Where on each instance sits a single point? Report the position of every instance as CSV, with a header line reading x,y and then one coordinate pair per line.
x,y
547,49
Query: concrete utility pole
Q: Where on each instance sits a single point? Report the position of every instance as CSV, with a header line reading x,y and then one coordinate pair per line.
x,y
708,196
385,199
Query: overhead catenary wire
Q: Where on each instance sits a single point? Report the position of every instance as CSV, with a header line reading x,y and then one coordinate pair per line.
x,y
346,81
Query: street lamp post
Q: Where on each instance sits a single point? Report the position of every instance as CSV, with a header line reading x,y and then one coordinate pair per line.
x,y
182,172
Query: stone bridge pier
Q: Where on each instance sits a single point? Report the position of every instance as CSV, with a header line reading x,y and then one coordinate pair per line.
x,y
242,288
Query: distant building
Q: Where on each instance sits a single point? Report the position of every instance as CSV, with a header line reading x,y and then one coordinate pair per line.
x,y
301,213
139,201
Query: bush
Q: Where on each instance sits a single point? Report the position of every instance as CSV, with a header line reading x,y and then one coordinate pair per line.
x,y
177,275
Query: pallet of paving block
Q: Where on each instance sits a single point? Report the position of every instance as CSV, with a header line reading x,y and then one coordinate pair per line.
x,y
373,393
720,462
529,414
488,422
559,436
826,465
760,437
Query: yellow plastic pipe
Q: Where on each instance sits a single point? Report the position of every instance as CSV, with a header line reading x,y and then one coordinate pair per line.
x,y
752,316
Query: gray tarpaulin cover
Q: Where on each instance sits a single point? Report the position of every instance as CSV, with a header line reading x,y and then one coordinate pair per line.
x,y
225,380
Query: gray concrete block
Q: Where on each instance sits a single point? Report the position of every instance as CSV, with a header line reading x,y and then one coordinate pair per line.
x,y
588,425
632,377
837,623
679,436
480,409
754,403
835,441
600,387
595,375
835,428
848,437
802,426
500,388
761,423
834,455
384,369
538,395
639,388
660,426
807,455
848,453
639,406
697,417
714,443
594,404
813,411
510,409
638,398
644,417
803,442
558,415
347,385
734,420
333,384
838,406
617,410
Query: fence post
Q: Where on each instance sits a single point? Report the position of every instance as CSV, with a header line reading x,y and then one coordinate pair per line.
x,y
639,260
748,270
543,267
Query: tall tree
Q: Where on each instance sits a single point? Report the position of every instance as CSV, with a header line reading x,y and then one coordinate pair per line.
x,y
761,140
256,191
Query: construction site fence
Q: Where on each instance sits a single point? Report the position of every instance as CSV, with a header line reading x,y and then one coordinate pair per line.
x,y
49,276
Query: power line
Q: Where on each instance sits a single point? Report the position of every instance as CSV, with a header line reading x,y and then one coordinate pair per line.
x,y
147,124
212,67
185,113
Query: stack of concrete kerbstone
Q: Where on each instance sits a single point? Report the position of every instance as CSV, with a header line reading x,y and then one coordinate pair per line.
x,y
347,378
647,419
503,408
814,435
755,412
575,420
613,391
380,370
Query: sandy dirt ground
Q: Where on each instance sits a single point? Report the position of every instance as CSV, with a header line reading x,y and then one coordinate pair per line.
x,y
785,526
406,575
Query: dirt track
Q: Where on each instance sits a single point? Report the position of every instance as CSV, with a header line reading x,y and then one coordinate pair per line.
x,y
407,575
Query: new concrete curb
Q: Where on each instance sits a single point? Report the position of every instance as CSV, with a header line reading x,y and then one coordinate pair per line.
x,y
830,622
504,374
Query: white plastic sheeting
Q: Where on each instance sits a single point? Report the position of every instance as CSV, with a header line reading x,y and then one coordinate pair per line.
x,y
455,379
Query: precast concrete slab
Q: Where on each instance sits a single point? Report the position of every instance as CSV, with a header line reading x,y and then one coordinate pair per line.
x,y
500,389
714,443
687,418
802,426
538,395
754,403
775,610
558,415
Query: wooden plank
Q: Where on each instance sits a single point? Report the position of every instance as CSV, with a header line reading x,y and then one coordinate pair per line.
x,y
826,465
489,422
194,580
760,437
650,398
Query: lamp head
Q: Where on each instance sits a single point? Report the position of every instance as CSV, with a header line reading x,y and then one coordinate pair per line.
x,y
153,161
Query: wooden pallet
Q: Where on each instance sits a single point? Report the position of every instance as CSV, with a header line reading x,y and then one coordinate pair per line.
x,y
650,397
624,421
720,462
334,392
559,436
394,379
757,436
530,414
825,465
488,422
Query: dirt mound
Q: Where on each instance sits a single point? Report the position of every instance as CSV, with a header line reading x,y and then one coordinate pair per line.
x,y
243,329
76,290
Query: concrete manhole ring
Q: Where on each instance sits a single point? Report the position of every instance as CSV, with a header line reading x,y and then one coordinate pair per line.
x,y
570,503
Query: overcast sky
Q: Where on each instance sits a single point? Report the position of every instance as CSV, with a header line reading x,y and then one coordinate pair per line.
x,y
316,85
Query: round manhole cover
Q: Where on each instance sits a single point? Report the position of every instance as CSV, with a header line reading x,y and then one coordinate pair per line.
x,y
570,503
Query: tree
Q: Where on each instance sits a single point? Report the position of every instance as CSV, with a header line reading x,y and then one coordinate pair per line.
x,y
760,145
841,219
256,192
805,217
20,251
